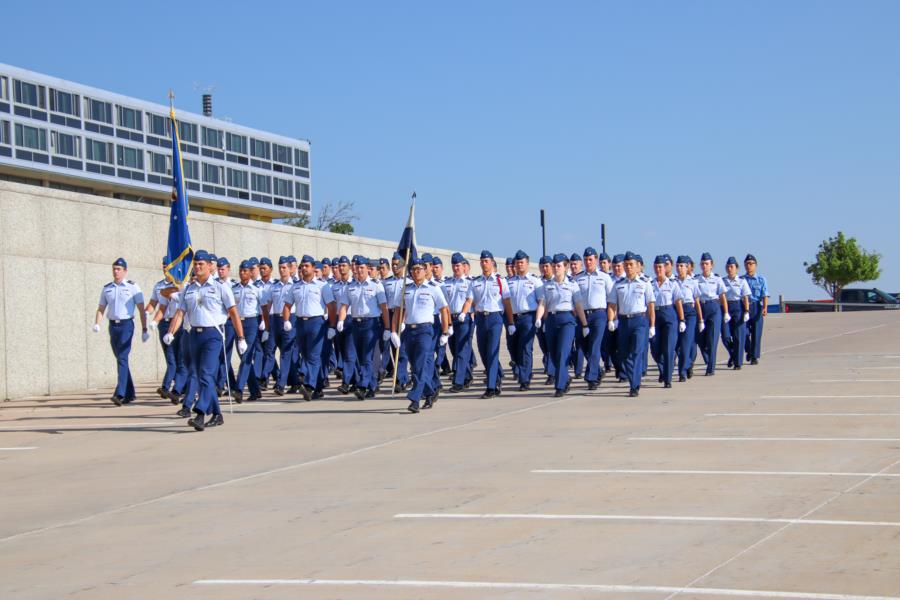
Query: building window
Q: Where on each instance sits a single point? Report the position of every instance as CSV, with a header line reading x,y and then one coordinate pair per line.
x,y
262,183
4,133
281,154
159,163
29,93
95,110
190,169
236,143
98,151
64,102
65,145
282,187
302,191
129,118
158,125
301,158
237,179
187,132
212,174
131,158
31,137
212,138
4,88
259,149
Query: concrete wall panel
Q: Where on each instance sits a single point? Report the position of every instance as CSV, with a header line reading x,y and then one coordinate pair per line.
x,y
23,233
67,354
26,326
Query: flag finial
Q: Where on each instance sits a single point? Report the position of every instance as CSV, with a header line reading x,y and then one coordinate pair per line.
x,y
172,102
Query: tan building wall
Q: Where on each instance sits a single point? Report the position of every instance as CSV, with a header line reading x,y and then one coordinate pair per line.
x,y
57,250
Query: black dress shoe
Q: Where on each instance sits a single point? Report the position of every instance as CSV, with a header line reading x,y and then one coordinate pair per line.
x,y
220,391
184,413
550,381
215,421
455,388
467,383
162,392
117,400
344,389
690,372
360,393
488,394
737,367
633,393
730,363
127,400
667,384
607,369
254,397
754,361
263,384
173,397
370,394
710,373
559,393
294,389
524,387
577,376
659,379
413,407
682,378
197,422
279,391
326,383
429,402
306,392
318,395
238,397
593,385
621,379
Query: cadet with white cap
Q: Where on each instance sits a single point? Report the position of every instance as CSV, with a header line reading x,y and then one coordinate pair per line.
x,y
715,310
118,300
737,293
634,317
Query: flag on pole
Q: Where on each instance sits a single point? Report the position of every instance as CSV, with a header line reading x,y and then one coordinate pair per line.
x,y
180,251
407,246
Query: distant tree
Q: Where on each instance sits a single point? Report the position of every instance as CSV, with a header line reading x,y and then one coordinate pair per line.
x,y
345,228
334,218
301,221
839,262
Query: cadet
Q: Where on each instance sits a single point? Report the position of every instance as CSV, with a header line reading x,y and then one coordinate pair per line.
x,y
207,305
393,291
545,264
618,273
169,353
607,347
525,294
562,301
118,300
184,387
420,301
634,317
273,302
315,317
595,286
367,304
685,349
759,308
458,291
225,368
247,298
737,293
714,306
490,298
669,307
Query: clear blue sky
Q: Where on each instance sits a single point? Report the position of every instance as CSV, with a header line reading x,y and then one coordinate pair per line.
x,y
684,126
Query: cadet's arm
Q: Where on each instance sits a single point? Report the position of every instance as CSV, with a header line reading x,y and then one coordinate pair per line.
x,y
385,316
651,313
332,314
445,319
679,308
175,322
507,304
236,321
99,316
140,307
579,310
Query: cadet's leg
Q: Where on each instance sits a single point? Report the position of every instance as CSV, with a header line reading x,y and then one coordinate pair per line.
x,y
419,346
525,333
713,320
245,369
491,359
286,342
565,337
640,329
120,335
625,344
206,350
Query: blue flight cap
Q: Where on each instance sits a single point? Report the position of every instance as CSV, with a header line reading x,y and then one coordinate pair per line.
x,y
509,261
417,262
457,258
684,259
589,251
486,254
603,256
667,257
318,264
545,260
343,260
396,256
246,264
292,258
383,261
223,262
334,260
560,258
265,260
575,256
202,256
254,262
427,258
639,258
306,258
213,257
520,255
284,260
660,259
326,261
618,258
436,260
630,256
120,262
749,257
731,261
705,256
373,262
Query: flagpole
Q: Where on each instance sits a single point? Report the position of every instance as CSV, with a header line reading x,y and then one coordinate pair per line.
x,y
400,316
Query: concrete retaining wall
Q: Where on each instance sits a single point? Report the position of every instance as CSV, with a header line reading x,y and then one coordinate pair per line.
x,y
57,250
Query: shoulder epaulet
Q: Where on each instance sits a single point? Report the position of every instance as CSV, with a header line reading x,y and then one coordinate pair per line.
x,y
110,284
130,281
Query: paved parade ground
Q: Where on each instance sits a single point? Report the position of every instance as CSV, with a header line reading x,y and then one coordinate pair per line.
x,y
779,480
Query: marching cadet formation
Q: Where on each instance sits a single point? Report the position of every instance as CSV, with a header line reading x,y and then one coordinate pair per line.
x,y
367,322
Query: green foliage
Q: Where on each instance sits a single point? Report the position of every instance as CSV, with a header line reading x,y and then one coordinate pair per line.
x,y
345,228
301,221
840,261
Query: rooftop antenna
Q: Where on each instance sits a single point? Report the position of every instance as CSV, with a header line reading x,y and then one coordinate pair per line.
x,y
207,92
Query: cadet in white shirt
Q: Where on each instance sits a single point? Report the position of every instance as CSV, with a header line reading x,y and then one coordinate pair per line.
x,y
634,316
595,286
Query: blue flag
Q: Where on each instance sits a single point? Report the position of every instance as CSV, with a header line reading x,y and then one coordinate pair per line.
x,y
407,246
180,251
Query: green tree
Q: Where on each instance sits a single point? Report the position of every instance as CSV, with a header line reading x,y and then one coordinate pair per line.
x,y
840,261
334,218
345,228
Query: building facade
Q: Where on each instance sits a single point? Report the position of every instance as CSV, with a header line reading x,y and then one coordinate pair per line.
x,y
65,135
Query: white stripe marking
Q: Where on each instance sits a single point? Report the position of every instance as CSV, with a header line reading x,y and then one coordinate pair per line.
x,y
854,380
759,439
656,518
19,448
876,368
86,426
822,339
711,472
833,396
556,587
802,415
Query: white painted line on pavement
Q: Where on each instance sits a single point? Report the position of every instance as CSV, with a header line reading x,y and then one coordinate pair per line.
x,y
711,472
525,586
876,368
854,380
655,518
88,426
802,415
758,439
19,448
831,396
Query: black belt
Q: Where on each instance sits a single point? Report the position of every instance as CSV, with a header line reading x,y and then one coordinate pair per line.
x,y
687,303
360,319
245,318
415,325
118,321
556,312
308,318
632,316
662,306
488,312
709,302
589,311
526,312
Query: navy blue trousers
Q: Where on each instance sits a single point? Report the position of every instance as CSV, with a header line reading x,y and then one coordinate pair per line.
x,y
632,340
593,345
461,348
245,375
755,330
270,363
206,354
734,332
523,347
311,334
120,335
686,348
365,336
708,341
488,329
560,339
665,340
419,342
170,353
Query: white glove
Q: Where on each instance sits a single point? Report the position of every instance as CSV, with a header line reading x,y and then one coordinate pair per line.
x,y
386,335
450,330
168,339
461,318
444,339
187,326
262,325
265,337
95,328
340,326
538,323
395,339
702,326
652,331
585,331
402,327
727,317
512,330
288,326
331,333
612,325
151,324
145,335
682,327
746,317
241,346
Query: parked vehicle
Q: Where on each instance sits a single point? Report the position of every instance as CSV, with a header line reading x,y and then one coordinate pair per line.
x,y
850,300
